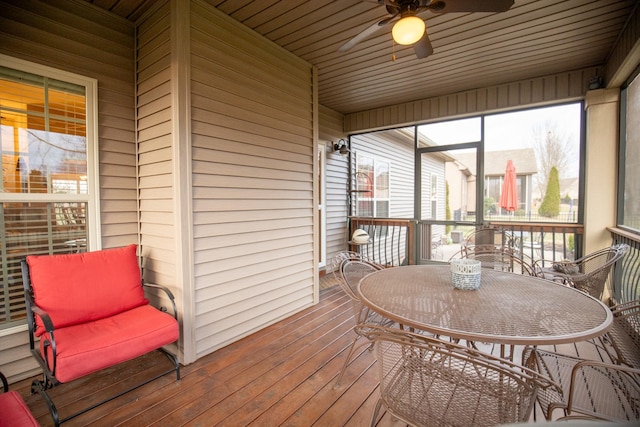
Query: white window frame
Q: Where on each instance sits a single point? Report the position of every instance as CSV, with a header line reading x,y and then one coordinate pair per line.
x,y
322,211
374,199
92,198
434,196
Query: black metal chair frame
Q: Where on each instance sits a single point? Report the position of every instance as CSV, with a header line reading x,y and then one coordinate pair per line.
x,y
49,380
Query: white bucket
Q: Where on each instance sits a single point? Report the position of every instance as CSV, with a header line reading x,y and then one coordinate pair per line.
x,y
465,274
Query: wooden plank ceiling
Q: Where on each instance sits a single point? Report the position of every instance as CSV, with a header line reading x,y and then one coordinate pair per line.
x,y
533,38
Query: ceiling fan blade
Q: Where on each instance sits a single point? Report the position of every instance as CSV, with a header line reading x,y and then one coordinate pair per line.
x,y
423,47
470,6
369,31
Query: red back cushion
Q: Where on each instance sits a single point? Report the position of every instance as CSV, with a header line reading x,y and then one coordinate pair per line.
x,y
78,288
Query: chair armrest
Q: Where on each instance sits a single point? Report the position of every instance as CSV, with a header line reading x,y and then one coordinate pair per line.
x,y
5,383
169,294
548,274
603,380
537,266
625,307
46,319
50,342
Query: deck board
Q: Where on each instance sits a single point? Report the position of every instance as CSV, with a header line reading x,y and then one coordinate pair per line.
x,y
282,375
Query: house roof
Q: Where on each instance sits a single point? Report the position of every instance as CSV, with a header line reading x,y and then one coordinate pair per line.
x,y
495,162
533,39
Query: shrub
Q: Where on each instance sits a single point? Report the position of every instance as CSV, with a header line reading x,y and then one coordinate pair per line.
x,y
550,206
490,205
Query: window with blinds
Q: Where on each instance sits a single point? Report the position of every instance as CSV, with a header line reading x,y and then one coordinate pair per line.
x,y
44,192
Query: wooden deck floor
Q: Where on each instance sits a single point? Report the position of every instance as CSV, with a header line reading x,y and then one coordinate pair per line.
x,y
283,375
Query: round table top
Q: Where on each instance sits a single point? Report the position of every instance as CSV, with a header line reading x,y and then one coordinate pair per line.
x,y
508,308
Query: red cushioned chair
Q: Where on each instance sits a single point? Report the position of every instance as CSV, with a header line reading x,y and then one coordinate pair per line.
x,y
13,411
89,312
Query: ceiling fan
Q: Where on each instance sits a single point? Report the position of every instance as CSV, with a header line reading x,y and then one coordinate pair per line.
x,y
409,27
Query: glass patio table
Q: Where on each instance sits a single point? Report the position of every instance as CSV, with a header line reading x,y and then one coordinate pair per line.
x,y
508,308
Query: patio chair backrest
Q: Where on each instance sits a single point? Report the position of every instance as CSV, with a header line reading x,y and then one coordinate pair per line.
x,y
353,271
427,381
595,268
82,287
488,239
508,261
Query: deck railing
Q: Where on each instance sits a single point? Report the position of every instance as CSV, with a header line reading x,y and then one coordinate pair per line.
x,y
397,242
406,241
546,242
625,278
542,242
391,240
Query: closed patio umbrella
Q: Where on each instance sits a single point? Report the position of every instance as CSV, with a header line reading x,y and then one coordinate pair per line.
x,y
509,194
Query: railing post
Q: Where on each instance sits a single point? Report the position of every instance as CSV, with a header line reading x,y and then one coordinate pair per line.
x,y
412,250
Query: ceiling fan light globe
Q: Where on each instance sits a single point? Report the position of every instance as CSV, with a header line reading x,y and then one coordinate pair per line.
x,y
408,30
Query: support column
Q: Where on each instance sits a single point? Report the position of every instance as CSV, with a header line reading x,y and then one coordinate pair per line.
x,y
602,107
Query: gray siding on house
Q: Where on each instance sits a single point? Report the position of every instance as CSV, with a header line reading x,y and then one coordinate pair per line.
x,y
398,150
253,180
91,42
433,165
336,183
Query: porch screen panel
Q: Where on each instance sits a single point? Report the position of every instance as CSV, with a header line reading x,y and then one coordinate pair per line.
x,y
630,160
44,192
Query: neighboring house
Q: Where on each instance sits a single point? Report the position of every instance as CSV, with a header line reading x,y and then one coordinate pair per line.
x,y
494,169
569,190
462,188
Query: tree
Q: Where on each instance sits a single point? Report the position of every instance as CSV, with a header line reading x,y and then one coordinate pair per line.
x,y
550,206
552,149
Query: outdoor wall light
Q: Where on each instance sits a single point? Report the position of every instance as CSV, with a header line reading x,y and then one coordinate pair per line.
x,y
341,147
408,30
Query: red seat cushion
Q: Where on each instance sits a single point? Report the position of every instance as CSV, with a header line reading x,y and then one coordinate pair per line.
x,y
89,347
79,288
14,412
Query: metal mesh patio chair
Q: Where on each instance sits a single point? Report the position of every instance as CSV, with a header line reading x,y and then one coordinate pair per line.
x,y
351,271
337,260
589,273
590,389
488,239
624,336
425,381
506,260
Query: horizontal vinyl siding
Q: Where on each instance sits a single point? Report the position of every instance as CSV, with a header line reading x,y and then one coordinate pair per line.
x,y
542,90
156,186
400,155
16,361
252,158
330,123
76,37
433,165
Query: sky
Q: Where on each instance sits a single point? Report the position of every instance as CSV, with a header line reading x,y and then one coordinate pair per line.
x,y
501,128
514,129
